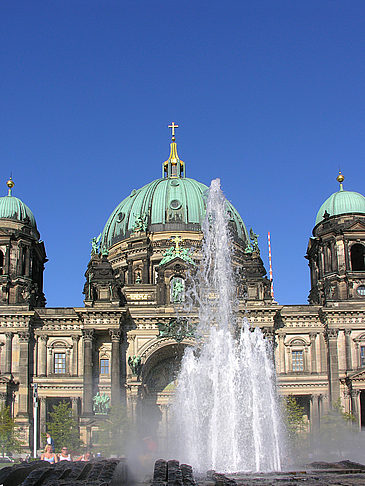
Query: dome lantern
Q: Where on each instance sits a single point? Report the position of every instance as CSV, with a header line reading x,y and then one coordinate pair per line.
x,y
173,167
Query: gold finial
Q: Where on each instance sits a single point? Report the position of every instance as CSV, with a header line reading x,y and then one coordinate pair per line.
x,y
340,178
10,183
173,126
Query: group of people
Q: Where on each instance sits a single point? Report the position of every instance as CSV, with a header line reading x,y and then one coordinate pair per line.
x,y
50,456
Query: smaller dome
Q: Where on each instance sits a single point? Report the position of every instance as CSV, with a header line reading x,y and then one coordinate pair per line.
x,y
13,208
341,202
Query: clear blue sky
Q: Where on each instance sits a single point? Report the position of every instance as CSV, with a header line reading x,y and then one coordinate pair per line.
x,y
269,96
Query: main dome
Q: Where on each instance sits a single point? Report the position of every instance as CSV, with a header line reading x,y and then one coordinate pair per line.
x,y
172,203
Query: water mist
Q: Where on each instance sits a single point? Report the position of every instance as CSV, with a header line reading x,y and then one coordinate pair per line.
x,y
225,411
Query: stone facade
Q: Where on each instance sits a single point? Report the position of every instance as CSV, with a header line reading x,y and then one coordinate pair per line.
x,y
127,342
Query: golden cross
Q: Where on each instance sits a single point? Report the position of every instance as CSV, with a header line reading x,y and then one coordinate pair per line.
x,y
177,240
173,126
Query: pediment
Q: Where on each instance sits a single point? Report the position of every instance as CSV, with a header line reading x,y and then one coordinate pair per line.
x,y
173,262
357,375
357,226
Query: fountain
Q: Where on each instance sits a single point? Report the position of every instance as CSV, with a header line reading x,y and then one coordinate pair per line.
x,y
225,411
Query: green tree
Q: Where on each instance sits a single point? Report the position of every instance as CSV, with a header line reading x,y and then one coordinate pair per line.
x,y
63,427
9,441
114,432
294,418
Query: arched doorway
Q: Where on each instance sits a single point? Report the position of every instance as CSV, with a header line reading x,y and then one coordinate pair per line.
x,y
159,379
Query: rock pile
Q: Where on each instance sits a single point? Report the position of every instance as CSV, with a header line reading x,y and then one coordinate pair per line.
x,y
41,473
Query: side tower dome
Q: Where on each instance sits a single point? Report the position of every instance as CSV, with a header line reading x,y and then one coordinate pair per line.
x,y
336,252
139,234
22,254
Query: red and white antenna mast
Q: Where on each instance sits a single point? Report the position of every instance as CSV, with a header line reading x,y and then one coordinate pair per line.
x,y
270,265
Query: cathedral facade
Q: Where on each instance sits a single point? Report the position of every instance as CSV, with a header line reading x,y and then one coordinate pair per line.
x,y
124,346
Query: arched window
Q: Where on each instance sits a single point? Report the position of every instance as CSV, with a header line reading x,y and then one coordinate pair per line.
x,y
357,257
1,263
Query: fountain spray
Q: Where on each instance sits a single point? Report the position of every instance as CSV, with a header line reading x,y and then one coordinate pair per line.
x,y
225,410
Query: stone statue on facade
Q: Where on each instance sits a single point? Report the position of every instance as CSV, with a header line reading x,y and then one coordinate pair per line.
x,y
95,245
254,238
135,364
101,403
177,290
140,223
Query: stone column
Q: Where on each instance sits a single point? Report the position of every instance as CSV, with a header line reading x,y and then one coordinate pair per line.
x,y
312,337
348,349
88,335
43,419
314,413
333,374
115,371
42,357
24,388
8,351
323,355
145,272
75,355
130,273
281,350
123,365
75,408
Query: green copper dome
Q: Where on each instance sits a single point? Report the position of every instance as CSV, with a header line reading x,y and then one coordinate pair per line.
x,y
13,208
172,203
342,202
166,204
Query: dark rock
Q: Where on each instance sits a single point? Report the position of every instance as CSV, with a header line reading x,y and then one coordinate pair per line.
x,y
160,471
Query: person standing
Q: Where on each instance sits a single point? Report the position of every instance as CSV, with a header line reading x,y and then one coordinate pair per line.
x,y
50,441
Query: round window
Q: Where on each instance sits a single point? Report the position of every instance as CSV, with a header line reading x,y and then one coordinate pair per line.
x,y
175,204
174,183
121,216
361,290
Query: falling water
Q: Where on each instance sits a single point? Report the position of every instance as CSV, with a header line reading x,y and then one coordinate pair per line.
x,y
225,410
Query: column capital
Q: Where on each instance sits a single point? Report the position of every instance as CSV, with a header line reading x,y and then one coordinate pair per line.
x,y
74,399
75,338
312,335
9,335
347,332
331,334
44,337
88,334
24,336
115,334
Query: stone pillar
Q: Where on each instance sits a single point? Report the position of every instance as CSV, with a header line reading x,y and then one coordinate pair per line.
x,y
281,352
115,371
75,355
123,365
314,413
75,408
8,351
24,388
87,408
130,273
145,272
322,351
42,356
333,374
312,336
43,419
348,349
